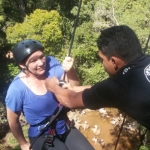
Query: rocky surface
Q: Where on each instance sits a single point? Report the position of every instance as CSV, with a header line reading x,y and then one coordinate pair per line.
x,y
101,128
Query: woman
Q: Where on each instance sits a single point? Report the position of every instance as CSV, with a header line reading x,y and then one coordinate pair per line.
x,y
28,94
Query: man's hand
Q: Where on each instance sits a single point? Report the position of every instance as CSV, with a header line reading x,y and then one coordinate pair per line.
x,y
50,83
67,63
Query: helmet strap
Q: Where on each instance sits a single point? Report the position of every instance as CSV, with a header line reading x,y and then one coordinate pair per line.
x,y
26,69
23,69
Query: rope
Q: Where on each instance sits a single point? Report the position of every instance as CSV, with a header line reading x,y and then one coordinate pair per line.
x,y
120,131
73,33
75,25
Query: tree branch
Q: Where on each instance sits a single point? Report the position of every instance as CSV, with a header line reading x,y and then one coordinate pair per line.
x,y
114,13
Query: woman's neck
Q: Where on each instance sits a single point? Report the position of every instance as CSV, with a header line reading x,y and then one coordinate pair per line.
x,y
31,76
35,83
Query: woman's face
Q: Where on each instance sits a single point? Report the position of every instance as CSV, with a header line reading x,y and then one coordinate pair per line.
x,y
36,63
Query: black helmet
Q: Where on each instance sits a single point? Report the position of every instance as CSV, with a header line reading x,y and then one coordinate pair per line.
x,y
24,48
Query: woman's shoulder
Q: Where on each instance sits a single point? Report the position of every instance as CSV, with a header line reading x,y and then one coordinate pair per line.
x,y
16,84
53,67
51,60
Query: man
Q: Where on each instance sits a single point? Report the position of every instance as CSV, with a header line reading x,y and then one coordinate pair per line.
x,y
128,85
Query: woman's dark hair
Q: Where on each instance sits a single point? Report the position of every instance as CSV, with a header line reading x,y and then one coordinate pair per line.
x,y
120,41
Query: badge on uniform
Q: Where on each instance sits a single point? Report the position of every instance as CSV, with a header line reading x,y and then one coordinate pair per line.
x,y
147,72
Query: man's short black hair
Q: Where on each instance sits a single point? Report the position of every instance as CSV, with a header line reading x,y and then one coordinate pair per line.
x,y
120,41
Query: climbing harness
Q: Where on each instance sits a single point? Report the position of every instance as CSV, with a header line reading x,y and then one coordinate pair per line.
x,y
52,119
50,135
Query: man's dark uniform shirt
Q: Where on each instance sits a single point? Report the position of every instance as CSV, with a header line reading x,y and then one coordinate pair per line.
x,y
128,90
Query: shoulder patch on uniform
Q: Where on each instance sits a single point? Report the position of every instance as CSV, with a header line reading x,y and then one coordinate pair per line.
x,y
147,72
126,70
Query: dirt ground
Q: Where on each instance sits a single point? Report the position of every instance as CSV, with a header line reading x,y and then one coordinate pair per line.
x,y
108,132
106,136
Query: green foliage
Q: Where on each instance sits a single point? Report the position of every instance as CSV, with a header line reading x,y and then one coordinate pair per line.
x,y
51,22
41,25
96,15
12,14
1,11
3,117
2,24
144,148
14,70
13,142
93,75
5,76
136,15
55,33
85,50
132,13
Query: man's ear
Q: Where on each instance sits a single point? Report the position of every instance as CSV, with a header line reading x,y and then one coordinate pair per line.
x,y
117,62
114,63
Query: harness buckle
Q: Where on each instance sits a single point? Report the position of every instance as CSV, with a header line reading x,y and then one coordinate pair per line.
x,y
70,124
40,129
49,140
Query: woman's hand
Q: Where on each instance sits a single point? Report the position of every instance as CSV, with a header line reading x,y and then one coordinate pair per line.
x,y
25,146
67,64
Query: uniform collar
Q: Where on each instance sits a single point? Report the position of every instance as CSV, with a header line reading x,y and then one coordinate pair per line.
x,y
129,66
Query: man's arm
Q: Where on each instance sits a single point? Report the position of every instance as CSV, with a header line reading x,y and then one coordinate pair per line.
x,y
66,97
75,88
16,129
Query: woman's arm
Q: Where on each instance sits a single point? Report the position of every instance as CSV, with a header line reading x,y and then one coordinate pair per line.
x,y
16,129
72,77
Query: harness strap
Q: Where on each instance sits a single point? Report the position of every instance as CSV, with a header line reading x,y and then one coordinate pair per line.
x,y
70,124
52,119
